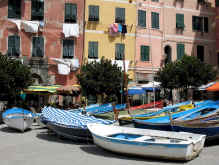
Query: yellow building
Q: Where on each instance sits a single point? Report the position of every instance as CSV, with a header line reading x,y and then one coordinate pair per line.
x,y
110,31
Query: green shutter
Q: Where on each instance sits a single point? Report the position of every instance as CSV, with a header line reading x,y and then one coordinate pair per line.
x,y
65,48
93,13
11,45
70,13
71,49
145,53
155,20
95,47
68,48
120,49
14,9
91,10
180,21
96,13
67,11
142,18
180,51
74,12
17,45
41,46
38,46
120,15
93,50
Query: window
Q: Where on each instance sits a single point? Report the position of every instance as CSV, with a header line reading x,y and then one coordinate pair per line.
x,y
93,49
14,9
180,51
119,54
180,21
120,15
38,47
145,53
155,20
14,46
68,48
200,52
37,10
93,13
217,3
200,24
142,18
70,13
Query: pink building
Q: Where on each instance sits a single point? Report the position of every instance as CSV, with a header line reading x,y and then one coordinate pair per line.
x,y
168,29
34,32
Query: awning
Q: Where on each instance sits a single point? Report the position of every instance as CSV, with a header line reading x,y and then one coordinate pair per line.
x,y
136,91
151,86
42,89
204,87
214,87
53,89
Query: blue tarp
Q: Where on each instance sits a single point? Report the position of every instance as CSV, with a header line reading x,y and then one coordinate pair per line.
x,y
136,91
70,119
16,111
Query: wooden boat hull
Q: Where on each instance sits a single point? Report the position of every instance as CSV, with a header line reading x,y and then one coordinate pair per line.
x,y
18,121
78,134
128,119
172,151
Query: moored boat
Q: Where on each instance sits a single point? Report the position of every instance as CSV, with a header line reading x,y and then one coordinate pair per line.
x,y
208,125
72,125
163,112
147,143
18,118
164,123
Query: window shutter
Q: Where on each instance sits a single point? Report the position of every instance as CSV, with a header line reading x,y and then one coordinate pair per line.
x,y
180,51
96,13
93,50
120,15
74,12
155,20
206,24
41,46
142,18
120,49
71,48
179,20
91,12
145,53
95,47
90,50
67,11
11,45
17,45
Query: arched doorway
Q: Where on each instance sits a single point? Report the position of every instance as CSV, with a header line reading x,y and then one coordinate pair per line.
x,y
168,54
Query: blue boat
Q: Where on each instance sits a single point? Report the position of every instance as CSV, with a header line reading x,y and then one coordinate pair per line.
x,y
72,125
208,125
164,123
18,118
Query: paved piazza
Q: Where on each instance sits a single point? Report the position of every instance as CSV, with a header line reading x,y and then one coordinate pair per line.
x,y
38,147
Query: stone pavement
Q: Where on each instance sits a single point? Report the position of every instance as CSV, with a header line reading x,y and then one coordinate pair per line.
x,y
38,147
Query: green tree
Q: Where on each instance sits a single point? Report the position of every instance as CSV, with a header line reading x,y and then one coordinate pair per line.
x,y
189,72
14,77
101,78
